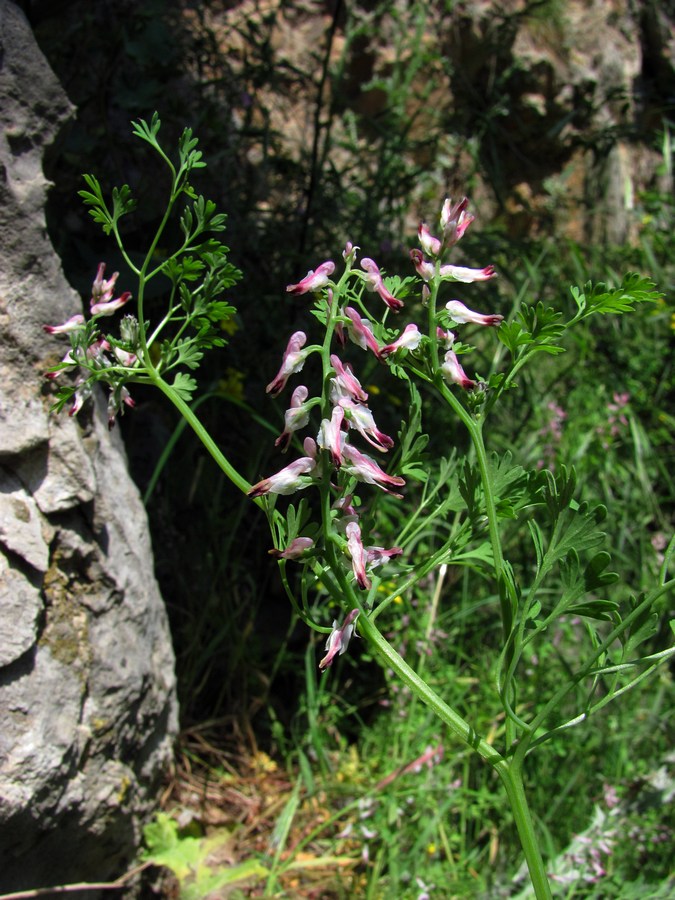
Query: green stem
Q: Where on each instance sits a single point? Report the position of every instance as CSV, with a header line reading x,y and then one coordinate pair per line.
x,y
513,783
555,701
203,435
509,772
476,435
142,274
433,340
474,428
457,725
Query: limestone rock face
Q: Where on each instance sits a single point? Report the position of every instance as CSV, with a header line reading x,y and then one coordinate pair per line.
x,y
87,689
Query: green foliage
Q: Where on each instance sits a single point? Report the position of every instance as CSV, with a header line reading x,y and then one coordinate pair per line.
x,y
598,299
536,330
198,271
122,203
184,385
191,859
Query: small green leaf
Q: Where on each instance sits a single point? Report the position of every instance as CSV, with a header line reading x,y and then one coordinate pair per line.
x,y
63,396
147,132
207,217
185,268
187,353
595,609
123,202
186,222
167,848
538,329
511,334
94,198
533,610
538,541
602,300
644,626
190,158
184,385
595,576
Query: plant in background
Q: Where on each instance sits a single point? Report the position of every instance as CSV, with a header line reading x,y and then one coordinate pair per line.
x,y
379,518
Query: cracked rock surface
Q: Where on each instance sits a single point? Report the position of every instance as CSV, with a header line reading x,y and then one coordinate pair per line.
x,y
88,708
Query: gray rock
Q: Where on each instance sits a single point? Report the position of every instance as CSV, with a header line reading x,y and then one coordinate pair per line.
x,y
20,606
88,709
21,530
59,474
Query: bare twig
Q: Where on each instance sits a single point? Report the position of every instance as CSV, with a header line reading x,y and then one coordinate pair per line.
x,y
80,886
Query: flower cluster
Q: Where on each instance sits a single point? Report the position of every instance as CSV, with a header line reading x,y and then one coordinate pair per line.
x,y
94,354
454,222
344,403
551,433
617,420
330,459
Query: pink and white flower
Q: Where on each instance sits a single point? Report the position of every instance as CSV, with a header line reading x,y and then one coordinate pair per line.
x,y
361,418
358,555
462,315
360,332
81,394
345,383
118,396
69,360
374,282
295,417
293,361
349,253
447,337
409,339
102,290
291,478
107,308
339,638
344,504
467,276
96,350
331,437
314,280
430,244
72,324
378,556
125,358
365,469
424,268
454,220
295,550
102,303
452,371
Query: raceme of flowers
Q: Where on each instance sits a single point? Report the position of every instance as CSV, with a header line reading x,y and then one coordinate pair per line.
x,y
91,352
330,454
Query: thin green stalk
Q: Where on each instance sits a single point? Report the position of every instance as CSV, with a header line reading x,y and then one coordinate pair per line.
x,y
528,740
509,772
476,435
513,783
474,428
203,435
457,725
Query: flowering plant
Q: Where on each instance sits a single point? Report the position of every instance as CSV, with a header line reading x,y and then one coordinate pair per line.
x,y
332,533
